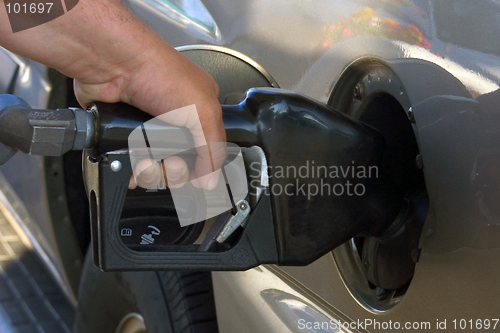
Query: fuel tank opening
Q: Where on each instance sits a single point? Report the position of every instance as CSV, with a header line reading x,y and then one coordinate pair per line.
x,y
377,270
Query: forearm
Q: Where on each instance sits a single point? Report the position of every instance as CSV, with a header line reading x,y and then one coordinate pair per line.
x,y
96,40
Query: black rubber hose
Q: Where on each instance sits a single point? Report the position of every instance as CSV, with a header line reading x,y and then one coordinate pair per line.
x,y
7,104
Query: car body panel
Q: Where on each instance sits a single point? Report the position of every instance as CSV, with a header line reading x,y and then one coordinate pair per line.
x,y
461,237
455,265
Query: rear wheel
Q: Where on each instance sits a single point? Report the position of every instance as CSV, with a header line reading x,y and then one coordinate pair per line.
x,y
140,302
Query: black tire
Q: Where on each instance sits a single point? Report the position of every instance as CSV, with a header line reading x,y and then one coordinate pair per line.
x,y
169,301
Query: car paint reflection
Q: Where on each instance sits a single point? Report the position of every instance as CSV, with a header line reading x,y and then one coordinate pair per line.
x,y
298,315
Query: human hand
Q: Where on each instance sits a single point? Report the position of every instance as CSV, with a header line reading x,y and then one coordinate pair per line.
x,y
114,57
188,84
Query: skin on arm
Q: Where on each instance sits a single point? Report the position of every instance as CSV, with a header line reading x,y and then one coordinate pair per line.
x,y
114,57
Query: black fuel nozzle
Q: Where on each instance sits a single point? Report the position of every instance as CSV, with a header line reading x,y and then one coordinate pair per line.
x,y
325,185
